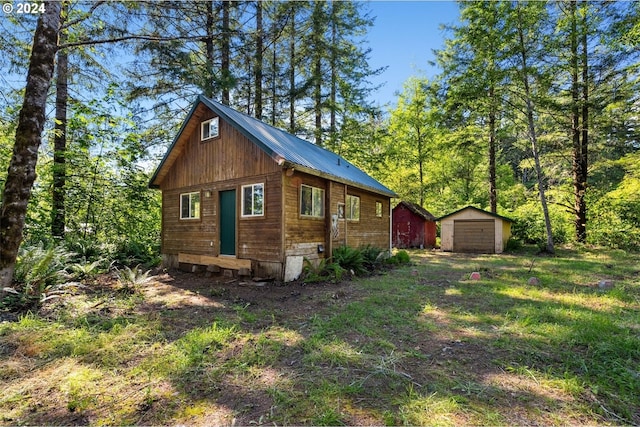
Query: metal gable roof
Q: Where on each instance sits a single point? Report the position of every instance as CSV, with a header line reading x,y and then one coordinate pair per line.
x,y
292,151
417,209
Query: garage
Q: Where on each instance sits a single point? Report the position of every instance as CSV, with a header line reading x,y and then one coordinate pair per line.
x,y
474,230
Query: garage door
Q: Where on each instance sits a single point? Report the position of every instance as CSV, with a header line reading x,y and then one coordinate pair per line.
x,y
474,236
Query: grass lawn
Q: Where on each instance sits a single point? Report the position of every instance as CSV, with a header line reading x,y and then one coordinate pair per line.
x,y
419,345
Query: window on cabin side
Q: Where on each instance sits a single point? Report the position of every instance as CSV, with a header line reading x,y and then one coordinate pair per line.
x,y
311,201
210,129
379,209
353,208
253,200
190,205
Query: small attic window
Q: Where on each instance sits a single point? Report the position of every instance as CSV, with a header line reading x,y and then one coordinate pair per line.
x,y
210,129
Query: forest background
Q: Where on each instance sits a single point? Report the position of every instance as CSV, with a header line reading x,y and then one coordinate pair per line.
x,y
534,114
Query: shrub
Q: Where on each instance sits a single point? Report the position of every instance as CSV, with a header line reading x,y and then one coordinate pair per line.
x,y
529,226
132,251
401,257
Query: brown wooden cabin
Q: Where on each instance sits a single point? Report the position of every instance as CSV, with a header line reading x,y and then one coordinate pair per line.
x,y
413,226
240,194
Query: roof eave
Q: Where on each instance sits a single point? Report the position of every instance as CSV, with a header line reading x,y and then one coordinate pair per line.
x,y
152,183
476,209
315,172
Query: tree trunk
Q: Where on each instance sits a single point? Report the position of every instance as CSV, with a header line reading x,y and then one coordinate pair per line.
x,y
58,217
317,36
493,194
226,53
578,130
209,85
581,189
259,61
532,134
333,95
292,74
22,169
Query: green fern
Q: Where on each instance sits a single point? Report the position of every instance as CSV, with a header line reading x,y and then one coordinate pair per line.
x,y
37,270
86,270
40,267
133,276
349,259
324,271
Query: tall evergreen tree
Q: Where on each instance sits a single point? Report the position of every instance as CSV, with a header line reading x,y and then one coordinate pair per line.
x,y
526,21
473,65
21,174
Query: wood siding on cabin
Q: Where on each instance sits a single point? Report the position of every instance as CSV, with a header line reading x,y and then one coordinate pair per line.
x,y
302,234
258,238
369,229
232,160
220,164
230,156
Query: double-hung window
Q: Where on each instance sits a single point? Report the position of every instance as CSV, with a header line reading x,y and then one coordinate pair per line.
x,y
353,208
210,129
253,200
379,209
311,201
190,205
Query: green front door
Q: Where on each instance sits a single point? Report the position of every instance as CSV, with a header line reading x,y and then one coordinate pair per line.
x,y
228,222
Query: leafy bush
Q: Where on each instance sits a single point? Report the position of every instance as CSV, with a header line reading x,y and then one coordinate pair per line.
x,y
513,245
349,259
401,257
133,251
529,226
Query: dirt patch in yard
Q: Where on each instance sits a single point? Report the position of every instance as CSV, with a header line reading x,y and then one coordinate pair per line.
x,y
419,345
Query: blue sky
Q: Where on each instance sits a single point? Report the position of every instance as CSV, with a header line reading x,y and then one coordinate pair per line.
x,y
403,38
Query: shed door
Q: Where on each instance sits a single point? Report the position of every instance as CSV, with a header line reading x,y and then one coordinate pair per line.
x,y
228,222
477,235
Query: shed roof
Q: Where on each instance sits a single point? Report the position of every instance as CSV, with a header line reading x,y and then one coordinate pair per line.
x,y
417,209
286,149
477,210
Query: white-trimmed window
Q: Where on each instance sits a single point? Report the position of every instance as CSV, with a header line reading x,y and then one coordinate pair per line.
x,y
210,129
190,205
253,200
379,209
353,207
311,201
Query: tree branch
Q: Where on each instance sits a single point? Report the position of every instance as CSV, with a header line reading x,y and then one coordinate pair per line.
x,y
127,38
88,14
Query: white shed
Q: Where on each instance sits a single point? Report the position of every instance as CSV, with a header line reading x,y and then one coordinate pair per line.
x,y
473,230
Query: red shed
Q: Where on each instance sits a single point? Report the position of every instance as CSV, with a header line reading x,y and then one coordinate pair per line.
x,y
413,226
